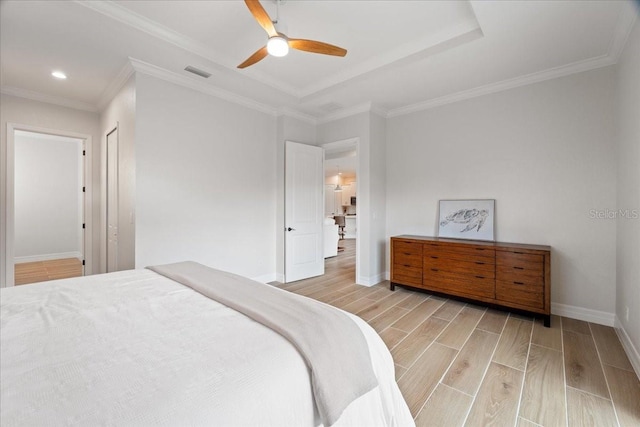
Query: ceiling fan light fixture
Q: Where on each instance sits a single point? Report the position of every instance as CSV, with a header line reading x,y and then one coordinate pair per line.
x,y
277,46
59,75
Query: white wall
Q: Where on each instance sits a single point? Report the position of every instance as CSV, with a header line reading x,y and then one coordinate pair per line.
x,y
296,130
628,180
545,152
121,113
47,197
205,181
378,196
39,114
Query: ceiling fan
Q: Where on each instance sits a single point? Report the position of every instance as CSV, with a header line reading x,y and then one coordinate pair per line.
x,y
279,43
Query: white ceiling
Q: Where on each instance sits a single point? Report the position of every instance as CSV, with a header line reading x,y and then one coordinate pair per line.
x,y
345,165
402,55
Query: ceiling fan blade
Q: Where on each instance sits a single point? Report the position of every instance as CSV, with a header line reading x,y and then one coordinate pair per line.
x,y
261,16
257,56
317,47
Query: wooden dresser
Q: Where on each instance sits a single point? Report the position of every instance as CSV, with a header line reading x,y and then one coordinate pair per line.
x,y
510,275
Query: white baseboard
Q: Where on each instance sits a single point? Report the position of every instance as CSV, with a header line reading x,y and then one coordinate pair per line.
x,y
586,314
280,277
265,278
627,344
46,257
370,281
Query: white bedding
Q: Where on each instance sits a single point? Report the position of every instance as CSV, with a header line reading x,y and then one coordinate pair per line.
x,y
136,348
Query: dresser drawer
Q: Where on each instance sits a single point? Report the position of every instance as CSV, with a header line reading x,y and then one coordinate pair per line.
x,y
456,266
526,295
402,258
407,253
407,248
516,277
461,253
460,284
407,262
531,264
406,275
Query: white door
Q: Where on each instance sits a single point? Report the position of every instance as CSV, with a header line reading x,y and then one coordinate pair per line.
x,y
112,201
304,182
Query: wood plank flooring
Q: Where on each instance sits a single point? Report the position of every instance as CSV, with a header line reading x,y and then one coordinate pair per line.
x,y
41,271
461,364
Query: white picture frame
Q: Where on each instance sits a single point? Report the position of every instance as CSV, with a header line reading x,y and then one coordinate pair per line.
x,y
467,219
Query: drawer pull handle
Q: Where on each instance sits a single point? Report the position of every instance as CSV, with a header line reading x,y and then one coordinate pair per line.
x,y
519,268
434,257
406,265
479,249
519,253
479,263
434,269
518,283
480,277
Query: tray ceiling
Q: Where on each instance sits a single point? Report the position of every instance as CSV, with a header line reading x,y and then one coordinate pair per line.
x,y
402,55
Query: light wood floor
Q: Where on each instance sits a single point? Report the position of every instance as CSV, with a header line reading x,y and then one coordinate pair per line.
x,y
41,271
461,364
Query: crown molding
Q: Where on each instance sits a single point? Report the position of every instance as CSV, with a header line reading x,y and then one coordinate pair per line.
x,y
444,40
626,20
382,112
552,73
49,99
365,107
116,84
169,76
166,34
289,112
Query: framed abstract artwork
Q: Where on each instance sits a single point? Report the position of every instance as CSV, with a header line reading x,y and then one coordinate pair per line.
x,y
467,219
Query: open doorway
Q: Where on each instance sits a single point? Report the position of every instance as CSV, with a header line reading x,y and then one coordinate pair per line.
x,y
341,208
46,231
48,207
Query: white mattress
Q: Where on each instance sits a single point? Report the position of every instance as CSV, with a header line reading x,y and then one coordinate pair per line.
x,y
135,348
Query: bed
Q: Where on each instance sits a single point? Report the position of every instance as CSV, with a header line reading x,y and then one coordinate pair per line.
x,y
139,348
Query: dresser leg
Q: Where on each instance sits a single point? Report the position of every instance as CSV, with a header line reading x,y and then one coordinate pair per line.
x,y
547,321
392,286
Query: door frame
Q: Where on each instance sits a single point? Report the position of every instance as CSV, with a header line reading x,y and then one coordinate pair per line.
x,y
348,143
104,200
7,263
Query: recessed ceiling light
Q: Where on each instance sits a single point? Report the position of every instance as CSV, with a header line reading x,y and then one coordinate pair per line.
x,y
59,75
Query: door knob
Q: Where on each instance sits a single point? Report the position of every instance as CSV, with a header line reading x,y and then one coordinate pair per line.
x,y
291,229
